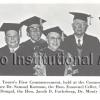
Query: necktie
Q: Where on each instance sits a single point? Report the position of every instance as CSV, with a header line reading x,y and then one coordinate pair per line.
x,y
79,47
79,43
12,50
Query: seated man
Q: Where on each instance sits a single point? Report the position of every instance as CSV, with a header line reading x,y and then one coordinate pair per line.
x,y
52,59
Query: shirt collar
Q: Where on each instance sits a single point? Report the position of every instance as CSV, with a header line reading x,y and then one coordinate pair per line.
x,y
51,49
81,39
32,41
35,41
13,50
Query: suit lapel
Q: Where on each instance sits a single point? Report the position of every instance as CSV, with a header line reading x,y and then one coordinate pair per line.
x,y
74,47
74,41
84,46
84,43
84,40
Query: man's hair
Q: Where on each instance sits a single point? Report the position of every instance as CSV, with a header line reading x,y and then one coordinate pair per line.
x,y
14,30
41,28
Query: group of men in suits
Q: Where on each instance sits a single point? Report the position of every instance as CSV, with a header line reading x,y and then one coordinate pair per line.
x,y
20,56
81,49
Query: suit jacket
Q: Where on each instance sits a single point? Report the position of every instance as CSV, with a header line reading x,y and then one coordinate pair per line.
x,y
29,47
27,50
90,47
10,68
23,66
53,68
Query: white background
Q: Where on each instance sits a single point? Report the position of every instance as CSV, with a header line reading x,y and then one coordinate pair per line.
x,y
55,15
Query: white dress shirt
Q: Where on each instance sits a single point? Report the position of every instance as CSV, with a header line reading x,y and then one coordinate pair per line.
x,y
12,50
81,39
32,41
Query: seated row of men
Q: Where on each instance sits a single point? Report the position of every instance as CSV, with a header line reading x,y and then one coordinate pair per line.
x,y
60,55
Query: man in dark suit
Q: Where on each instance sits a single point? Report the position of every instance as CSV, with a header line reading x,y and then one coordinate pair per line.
x,y
34,32
83,47
35,43
12,38
51,61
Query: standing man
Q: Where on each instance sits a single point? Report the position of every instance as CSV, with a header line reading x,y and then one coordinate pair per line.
x,y
52,63
34,44
34,32
12,39
82,45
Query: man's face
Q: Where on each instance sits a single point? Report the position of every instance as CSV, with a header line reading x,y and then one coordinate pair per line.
x,y
34,32
79,27
54,40
12,38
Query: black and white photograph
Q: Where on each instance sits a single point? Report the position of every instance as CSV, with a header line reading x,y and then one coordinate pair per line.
x,y
50,40
50,50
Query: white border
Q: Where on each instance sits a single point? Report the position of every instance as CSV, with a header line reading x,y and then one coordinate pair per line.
x,y
49,1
